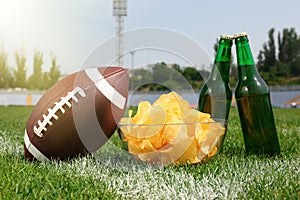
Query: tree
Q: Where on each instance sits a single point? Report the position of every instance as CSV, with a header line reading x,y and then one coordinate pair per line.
x,y
216,45
192,74
260,60
285,41
5,76
276,71
140,79
46,81
270,49
20,72
205,74
168,77
36,81
177,68
54,73
289,50
161,73
282,69
267,56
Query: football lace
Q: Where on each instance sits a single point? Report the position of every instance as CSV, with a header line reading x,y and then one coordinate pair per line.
x,y
58,106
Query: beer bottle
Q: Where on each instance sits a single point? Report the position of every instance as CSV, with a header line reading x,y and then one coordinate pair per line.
x,y
216,95
254,105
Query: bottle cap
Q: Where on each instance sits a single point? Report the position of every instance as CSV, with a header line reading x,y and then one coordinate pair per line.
x,y
229,37
240,35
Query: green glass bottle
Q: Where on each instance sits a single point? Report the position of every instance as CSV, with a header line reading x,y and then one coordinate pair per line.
x,y
254,105
216,95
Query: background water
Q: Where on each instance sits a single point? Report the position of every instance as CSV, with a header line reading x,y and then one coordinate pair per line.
x,y
278,98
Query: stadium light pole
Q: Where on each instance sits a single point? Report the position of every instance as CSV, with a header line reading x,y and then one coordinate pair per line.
x,y
120,12
132,58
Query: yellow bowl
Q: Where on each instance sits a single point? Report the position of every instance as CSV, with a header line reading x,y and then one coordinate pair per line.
x,y
176,143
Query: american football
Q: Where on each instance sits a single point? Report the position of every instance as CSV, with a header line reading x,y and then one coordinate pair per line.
x,y
77,115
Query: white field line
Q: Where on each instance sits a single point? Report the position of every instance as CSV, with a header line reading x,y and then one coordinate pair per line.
x,y
132,181
140,182
7,145
154,183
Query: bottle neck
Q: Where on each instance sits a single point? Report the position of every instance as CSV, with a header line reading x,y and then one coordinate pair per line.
x,y
245,61
221,65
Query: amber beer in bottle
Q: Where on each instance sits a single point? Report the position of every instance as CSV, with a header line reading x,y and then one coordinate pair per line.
x,y
254,105
216,95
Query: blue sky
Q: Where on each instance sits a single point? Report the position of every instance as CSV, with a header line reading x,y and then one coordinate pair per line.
x,y
71,29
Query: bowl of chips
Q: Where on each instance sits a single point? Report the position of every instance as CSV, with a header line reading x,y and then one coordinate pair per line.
x,y
170,131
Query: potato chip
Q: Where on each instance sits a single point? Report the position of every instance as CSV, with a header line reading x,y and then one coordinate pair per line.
x,y
212,137
164,99
213,151
143,113
175,151
191,116
157,115
200,134
133,147
174,105
170,131
189,155
174,112
171,153
200,157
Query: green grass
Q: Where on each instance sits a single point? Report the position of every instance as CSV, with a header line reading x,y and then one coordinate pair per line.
x,y
111,174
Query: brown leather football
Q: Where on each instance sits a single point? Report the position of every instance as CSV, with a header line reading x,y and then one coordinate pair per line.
x,y
77,115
